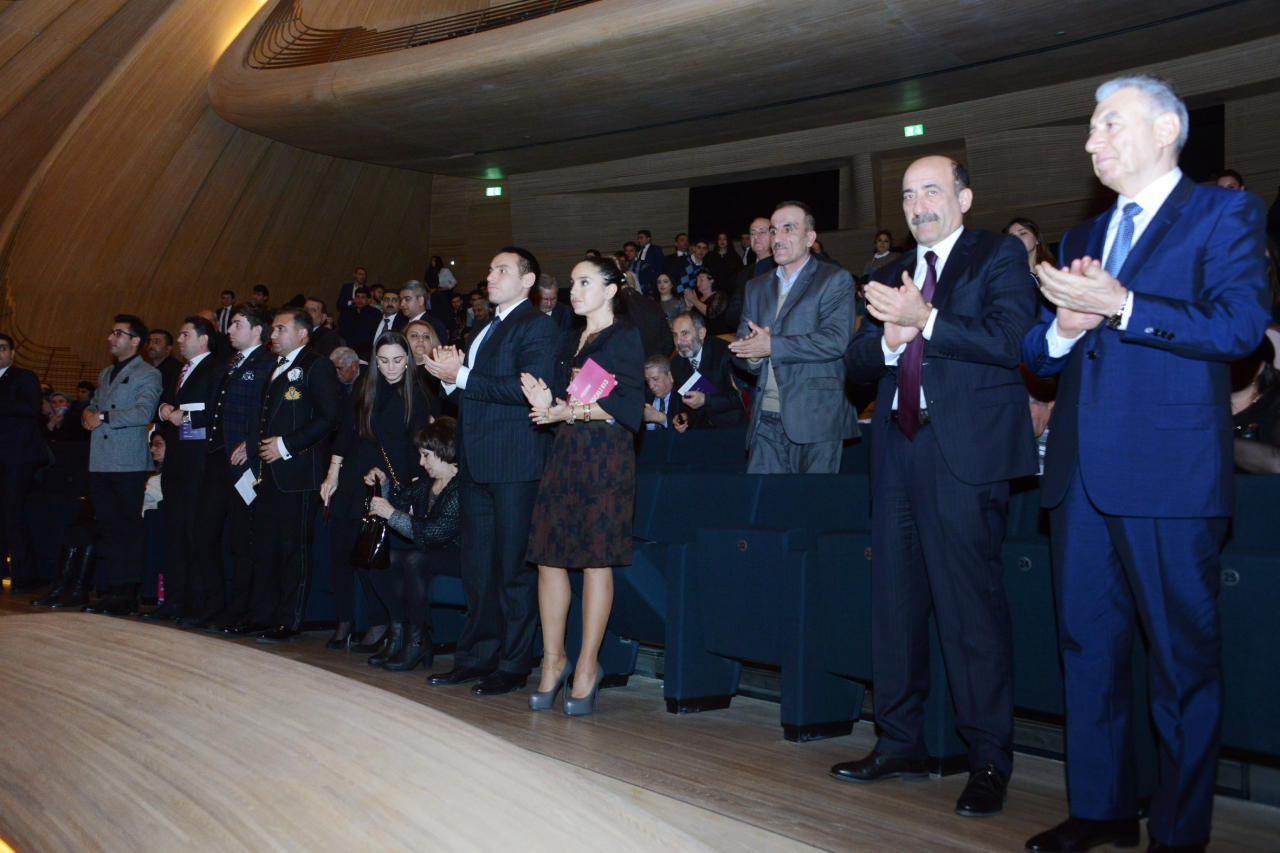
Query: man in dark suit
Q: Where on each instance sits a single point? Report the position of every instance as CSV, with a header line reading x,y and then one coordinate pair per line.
x,y
650,256
390,315
1138,469
761,262
299,409
500,459
119,420
414,300
646,315
796,323
231,449
322,339
185,409
358,322
549,303
951,429
23,454
158,352
226,306
346,293
673,264
711,358
663,409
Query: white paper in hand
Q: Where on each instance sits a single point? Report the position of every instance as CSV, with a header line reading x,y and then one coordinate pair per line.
x,y
245,487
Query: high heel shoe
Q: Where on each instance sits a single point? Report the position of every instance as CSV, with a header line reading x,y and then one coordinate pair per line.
x,y
368,648
339,640
545,700
581,707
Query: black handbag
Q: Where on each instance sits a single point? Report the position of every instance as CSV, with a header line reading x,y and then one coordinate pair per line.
x,y
372,549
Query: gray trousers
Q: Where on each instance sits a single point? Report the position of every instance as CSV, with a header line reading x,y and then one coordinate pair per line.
x,y
771,452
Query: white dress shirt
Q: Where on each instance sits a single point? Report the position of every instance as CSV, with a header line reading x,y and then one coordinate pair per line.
x,y
943,250
474,350
288,363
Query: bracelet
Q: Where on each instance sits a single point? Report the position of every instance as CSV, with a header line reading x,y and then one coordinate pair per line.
x,y
570,418
587,408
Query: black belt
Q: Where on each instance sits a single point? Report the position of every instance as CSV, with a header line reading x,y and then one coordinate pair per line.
x,y
924,416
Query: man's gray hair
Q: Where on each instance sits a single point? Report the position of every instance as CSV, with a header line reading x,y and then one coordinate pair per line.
x,y
415,287
343,357
1160,96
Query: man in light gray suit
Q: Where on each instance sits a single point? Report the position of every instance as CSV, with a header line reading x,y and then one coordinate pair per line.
x,y
119,419
796,322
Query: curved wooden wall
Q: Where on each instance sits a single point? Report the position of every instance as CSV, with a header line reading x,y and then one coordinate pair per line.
x,y
121,190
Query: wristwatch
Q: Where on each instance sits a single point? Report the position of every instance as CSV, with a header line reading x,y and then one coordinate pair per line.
x,y
1113,322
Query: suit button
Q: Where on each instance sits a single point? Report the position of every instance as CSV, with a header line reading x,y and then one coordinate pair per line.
x,y
1092,353
1148,331
1169,335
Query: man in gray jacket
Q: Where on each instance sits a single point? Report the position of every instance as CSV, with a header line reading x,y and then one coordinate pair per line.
x,y
118,419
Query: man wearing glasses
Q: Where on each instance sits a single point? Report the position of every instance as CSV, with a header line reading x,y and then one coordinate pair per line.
x,y
118,419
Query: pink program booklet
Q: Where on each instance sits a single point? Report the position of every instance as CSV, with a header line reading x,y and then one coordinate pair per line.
x,y
592,382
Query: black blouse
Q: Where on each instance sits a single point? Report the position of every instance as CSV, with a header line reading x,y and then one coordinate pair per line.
x,y
390,434
617,349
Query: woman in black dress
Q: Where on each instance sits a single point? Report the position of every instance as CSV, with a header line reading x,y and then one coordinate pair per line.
x,y
424,515
387,408
587,495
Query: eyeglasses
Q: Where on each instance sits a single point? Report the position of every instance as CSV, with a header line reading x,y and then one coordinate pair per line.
x,y
121,333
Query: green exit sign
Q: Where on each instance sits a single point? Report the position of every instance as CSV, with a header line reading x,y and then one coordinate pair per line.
x,y
492,191
913,130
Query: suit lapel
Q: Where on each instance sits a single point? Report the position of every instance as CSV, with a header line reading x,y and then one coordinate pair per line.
x,y
499,334
1098,235
796,293
957,267
1160,224
275,390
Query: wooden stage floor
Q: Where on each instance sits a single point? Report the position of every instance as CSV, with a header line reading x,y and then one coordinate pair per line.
x,y
119,734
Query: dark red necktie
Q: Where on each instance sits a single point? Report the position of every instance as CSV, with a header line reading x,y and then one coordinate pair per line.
x,y
911,365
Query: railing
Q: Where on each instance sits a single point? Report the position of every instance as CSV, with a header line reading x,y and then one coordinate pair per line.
x,y
285,41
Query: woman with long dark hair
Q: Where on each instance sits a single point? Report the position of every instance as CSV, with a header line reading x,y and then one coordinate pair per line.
x,y
423,513
587,493
387,408
1029,233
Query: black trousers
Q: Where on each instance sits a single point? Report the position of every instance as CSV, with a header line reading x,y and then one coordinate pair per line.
x,y
15,485
500,586
405,585
183,585
935,545
118,527
221,508
281,531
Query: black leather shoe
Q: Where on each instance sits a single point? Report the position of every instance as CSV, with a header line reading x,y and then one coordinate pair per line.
x,y
1161,847
239,629
984,795
459,675
875,767
114,605
500,682
191,623
163,613
278,634
1078,833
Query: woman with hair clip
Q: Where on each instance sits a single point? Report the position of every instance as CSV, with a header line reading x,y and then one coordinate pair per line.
x,y
423,515
587,494
386,409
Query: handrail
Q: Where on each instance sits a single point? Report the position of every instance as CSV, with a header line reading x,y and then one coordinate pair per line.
x,y
286,41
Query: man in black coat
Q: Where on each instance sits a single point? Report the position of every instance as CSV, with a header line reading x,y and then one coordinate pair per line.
x,y
500,459
185,408
710,357
322,339
23,453
299,410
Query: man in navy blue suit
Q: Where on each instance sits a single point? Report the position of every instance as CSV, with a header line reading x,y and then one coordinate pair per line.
x,y
500,458
951,429
1154,298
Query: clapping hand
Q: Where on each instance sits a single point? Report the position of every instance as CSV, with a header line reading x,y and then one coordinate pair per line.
x,y
444,364
755,345
1084,292
902,310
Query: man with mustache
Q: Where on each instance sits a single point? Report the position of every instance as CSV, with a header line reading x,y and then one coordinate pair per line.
x,y
951,429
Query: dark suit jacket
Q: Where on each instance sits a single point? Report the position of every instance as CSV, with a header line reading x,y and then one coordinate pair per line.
x,y
724,408
986,301
646,315
674,407
357,326
1144,412
496,442
562,315
810,335
201,389
302,410
653,261
20,418
325,341
237,406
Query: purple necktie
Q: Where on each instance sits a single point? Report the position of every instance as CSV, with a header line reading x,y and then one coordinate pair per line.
x,y
911,365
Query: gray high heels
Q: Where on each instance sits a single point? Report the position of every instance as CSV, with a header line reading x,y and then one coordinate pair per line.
x,y
545,700
581,707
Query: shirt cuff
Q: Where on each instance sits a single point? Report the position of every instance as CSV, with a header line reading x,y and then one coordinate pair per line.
x,y
1056,344
284,451
1126,312
461,380
891,355
927,331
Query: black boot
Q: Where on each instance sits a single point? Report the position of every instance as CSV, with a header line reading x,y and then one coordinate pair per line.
x,y
68,565
417,650
395,645
77,593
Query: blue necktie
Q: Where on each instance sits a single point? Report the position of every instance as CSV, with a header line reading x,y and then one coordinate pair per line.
x,y
1124,239
488,333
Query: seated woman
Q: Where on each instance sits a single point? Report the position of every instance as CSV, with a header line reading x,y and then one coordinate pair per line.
x,y
587,494
711,303
423,515
1255,411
